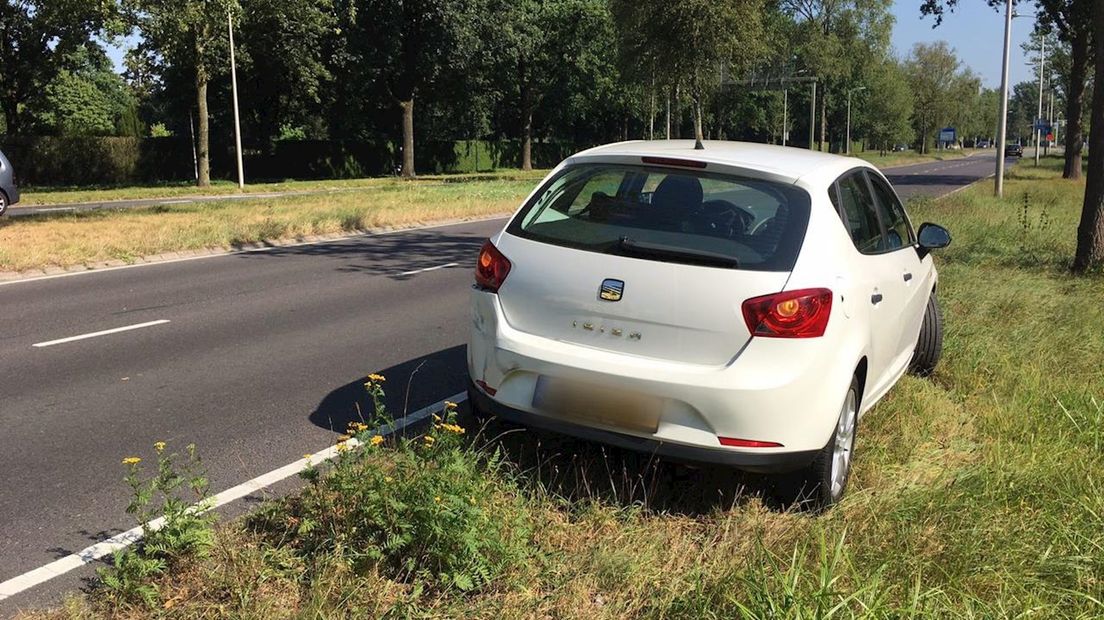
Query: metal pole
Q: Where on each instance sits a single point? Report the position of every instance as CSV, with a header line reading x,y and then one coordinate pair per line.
x,y
812,116
234,90
1002,122
191,132
785,120
1042,66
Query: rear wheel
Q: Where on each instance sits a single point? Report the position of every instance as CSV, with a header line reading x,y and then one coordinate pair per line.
x,y
823,482
3,204
929,346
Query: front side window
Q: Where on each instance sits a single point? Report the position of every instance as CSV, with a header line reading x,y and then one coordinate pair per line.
x,y
898,231
669,214
859,213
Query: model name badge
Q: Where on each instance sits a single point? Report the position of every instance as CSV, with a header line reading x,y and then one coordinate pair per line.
x,y
601,329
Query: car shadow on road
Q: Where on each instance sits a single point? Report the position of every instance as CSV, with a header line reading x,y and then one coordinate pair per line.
x,y
409,386
393,254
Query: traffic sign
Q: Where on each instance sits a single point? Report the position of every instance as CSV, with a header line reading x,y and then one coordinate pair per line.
x,y
947,134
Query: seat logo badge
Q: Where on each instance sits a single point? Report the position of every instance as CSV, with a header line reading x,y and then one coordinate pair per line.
x,y
611,290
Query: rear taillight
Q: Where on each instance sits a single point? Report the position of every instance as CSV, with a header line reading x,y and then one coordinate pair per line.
x,y
492,268
793,314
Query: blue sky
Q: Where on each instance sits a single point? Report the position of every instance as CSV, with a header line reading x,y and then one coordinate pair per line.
x,y
974,30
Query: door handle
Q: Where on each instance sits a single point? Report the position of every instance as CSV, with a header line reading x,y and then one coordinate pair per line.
x,y
908,276
876,298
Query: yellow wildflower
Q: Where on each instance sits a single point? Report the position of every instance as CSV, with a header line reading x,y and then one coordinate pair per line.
x,y
429,440
374,378
449,405
376,440
132,460
357,427
342,448
343,438
388,479
159,446
308,456
437,499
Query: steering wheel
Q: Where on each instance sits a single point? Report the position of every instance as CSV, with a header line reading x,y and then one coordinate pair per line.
x,y
725,218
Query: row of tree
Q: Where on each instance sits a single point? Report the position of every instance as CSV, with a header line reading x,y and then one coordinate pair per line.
x,y
581,71
578,71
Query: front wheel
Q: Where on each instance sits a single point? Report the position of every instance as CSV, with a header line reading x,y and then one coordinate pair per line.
x,y
3,204
822,484
929,346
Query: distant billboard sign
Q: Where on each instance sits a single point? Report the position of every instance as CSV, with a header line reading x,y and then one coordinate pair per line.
x,y
1043,125
947,134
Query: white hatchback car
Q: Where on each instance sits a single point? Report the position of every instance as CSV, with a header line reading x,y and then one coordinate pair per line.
x,y
743,304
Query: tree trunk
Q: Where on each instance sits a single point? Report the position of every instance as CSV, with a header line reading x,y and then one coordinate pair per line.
x,y
699,135
652,111
408,137
1075,103
823,118
203,133
1090,233
676,114
668,135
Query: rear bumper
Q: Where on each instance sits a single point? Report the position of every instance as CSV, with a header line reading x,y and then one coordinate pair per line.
x,y
777,462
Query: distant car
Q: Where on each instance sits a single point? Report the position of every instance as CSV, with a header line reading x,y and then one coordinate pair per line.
x,y
9,193
742,305
983,144
1013,150
900,148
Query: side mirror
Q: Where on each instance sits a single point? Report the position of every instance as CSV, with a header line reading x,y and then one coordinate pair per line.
x,y
931,237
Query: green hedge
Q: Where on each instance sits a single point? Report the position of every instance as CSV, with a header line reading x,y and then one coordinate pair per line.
x,y
89,161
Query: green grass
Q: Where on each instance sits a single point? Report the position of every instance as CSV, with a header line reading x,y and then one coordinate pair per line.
x,y
90,237
977,493
33,196
905,158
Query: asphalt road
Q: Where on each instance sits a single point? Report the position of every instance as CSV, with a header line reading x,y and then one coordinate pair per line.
x,y
939,176
261,361
22,211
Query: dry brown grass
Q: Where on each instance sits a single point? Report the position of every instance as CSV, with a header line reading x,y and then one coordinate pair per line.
x,y
91,237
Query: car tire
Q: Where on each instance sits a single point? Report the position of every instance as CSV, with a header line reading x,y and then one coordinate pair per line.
x,y
823,482
3,203
929,346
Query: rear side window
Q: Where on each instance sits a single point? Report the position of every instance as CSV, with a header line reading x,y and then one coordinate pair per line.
x,y
669,214
898,231
859,213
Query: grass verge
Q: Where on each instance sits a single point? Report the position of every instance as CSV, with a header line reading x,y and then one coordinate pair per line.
x,y
906,158
34,196
90,237
978,492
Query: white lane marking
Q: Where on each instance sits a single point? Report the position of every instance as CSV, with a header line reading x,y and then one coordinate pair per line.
x,y
105,332
446,266
45,573
182,201
251,250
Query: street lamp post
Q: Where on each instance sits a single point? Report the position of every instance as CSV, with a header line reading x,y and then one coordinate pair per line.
x,y
847,147
1042,68
234,90
1002,133
812,117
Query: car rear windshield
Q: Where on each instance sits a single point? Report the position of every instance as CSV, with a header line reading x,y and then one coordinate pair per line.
x,y
668,214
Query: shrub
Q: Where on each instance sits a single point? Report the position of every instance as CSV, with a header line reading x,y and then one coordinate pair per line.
x,y
420,511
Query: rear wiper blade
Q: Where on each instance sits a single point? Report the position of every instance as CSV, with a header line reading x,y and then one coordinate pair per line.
x,y
659,249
